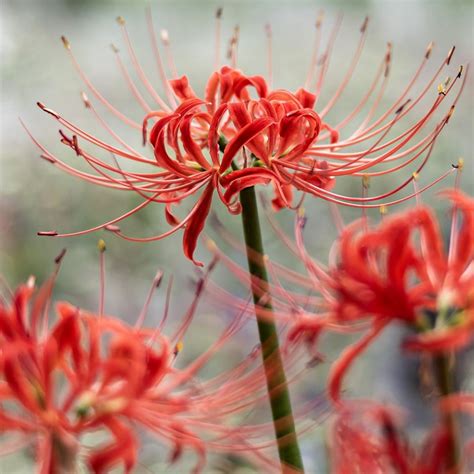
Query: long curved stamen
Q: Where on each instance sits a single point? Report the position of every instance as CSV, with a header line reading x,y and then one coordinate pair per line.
x,y
318,274
103,180
280,302
315,52
102,247
141,74
158,59
233,46
386,67
430,140
159,236
429,146
380,73
165,39
43,303
94,91
72,171
167,186
414,102
96,164
129,81
155,284
167,305
390,156
287,273
373,148
193,368
88,105
400,113
325,195
349,72
454,230
268,34
101,226
326,57
201,284
218,34
93,139
364,129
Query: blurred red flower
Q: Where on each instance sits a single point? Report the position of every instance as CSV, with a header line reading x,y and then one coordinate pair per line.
x,y
397,271
86,372
366,437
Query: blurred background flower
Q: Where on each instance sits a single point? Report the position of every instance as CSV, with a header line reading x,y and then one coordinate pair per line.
x,y
35,196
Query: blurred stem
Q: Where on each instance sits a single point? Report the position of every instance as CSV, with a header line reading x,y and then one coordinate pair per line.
x,y
63,455
277,386
444,374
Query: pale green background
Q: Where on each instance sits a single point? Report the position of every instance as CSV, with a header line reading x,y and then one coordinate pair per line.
x,y
35,196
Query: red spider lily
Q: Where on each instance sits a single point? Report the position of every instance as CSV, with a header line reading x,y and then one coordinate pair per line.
x,y
365,437
397,271
88,372
400,271
243,133
373,274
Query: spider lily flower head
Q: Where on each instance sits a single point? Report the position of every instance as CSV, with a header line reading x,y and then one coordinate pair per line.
x,y
396,271
242,132
89,372
367,437
400,270
278,125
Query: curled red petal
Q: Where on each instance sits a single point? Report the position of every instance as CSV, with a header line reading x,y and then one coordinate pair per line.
x,y
211,89
244,178
161,155
196,223
26,389
465,238
438,341
159,126
123,449
241,117
340,367
170,217
190,145
283,197
306,98
237,186
258,82
213,137
239,114
333,132
245,135
182,88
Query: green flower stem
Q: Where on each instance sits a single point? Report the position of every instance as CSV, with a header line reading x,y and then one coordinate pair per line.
x,y
277,386
443,372
64,453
